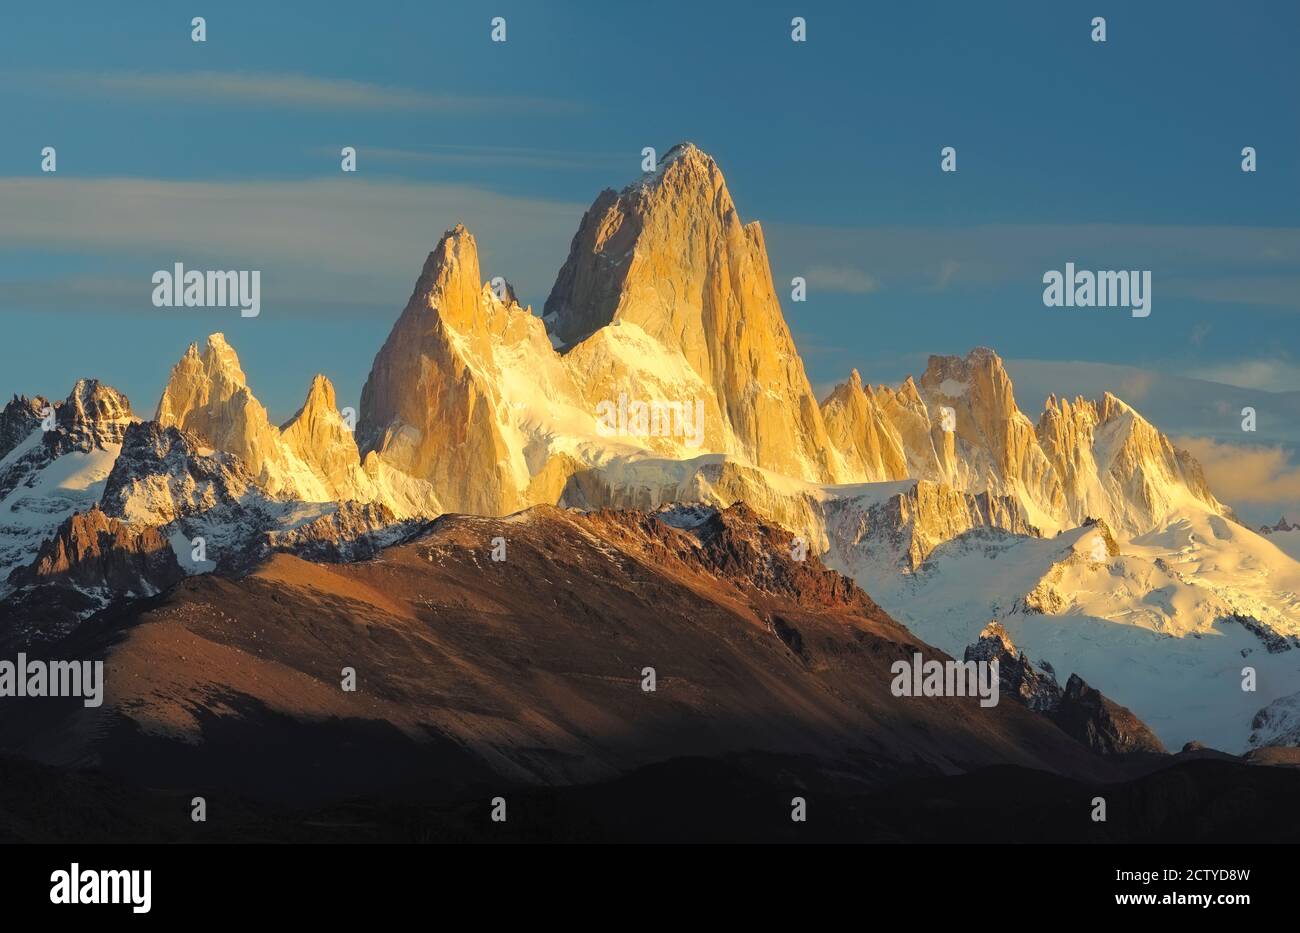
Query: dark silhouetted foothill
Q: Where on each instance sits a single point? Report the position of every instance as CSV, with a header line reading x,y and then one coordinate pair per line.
x,y
1102,724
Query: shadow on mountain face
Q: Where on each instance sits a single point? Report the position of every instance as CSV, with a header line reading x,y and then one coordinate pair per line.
x,y
524,680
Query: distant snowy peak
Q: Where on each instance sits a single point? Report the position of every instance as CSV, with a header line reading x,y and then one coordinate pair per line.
x,y
93,415
163,473
19,418
961,426
48,475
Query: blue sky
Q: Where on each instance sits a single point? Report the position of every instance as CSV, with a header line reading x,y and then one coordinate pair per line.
x,y
224,155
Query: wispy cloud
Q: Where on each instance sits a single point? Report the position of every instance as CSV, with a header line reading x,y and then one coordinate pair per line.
x,y
1249,265
948,270
1134,386
272,90
1271,375
1271,290
497,156
1250,475
328,242
842,279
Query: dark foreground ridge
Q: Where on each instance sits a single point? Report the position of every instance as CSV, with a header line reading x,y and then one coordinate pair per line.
x,y
524,678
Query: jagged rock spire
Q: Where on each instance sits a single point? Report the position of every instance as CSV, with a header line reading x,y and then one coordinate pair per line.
x,y
670,255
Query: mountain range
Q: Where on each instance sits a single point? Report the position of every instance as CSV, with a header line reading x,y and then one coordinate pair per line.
x,y
766,565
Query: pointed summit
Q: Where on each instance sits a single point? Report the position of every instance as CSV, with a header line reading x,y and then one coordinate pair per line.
x,y
318,436
857,426
95,414
670,223
449,282
430,407
990,444
319,404
18,420
208,396
684,153
670,255
198,379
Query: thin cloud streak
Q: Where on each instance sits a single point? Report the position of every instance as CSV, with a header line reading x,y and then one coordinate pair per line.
x,y
341,240
496,156
1261,260
844,279
265,89
1273,375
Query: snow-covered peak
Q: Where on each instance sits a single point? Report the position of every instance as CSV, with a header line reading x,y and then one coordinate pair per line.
x,y
96,411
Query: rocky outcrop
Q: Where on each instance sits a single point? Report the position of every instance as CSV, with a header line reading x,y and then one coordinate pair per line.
x,y
92,550
1017,677
1277,724
1107,538
93,415
353,531
1275,642
20,417
165,478
902,523
735,543
1100,723
1081,711
1284,535
163,474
